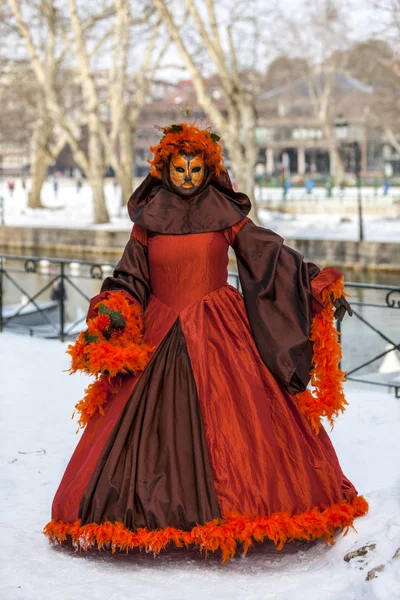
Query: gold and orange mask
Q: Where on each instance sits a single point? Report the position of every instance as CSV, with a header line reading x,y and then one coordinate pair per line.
x,y
186,172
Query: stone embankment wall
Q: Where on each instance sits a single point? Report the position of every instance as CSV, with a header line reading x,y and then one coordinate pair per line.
x,y
90,244
355,255
348,206
96,244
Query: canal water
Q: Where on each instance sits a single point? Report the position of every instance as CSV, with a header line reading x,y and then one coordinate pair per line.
x,y
360,343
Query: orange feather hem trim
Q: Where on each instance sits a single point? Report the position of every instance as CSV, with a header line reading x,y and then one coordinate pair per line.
x,y
327,399
215,535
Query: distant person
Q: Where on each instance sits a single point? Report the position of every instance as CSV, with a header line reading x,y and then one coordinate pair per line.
x,y
286,187
55,186
329,187
309,185
11,186
23,183
386,188
58,291
78,185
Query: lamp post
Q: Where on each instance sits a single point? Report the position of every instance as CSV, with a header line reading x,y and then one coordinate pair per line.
x,y
356,160
341,127
1,199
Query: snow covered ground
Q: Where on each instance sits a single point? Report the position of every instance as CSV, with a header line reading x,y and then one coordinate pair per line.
x,y
336,226
38,437
69,209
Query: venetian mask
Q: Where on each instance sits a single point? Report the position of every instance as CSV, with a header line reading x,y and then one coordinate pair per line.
x,y
186,172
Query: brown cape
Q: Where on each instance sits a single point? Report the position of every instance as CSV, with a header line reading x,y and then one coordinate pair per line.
x,y
155,206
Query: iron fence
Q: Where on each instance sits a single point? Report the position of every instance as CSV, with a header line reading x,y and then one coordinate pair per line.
x,y
47,318
374,322
38,317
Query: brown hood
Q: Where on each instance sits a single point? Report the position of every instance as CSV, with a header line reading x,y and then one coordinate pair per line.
x,y
155,206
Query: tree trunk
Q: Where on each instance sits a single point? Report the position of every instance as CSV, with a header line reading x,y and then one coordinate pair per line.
x,y
96,175
243,156
40,159
336,166
126,159
244,174
39,168
100,213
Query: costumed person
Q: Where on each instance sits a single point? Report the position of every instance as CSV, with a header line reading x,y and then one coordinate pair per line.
x,y
200,427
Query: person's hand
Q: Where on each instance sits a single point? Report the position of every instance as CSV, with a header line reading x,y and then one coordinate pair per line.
x,y
119,322
341,308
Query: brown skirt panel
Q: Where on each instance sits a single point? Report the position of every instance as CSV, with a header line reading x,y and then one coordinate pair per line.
x,y
158,321
154,470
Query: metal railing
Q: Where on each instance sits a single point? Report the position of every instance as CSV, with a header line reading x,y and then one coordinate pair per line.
x,y
63,273
391,303
61,276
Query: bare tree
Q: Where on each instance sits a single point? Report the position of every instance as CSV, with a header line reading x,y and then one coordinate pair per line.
x,y
375,63
45,66
129,88
29,108
18,111
234,114
109,120
96,158
385,68
319,35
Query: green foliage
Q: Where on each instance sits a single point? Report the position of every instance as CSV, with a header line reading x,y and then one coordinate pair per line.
x,y
89,339
104,310
173,129
114,316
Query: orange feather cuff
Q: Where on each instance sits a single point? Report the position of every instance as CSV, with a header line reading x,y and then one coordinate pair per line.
x,y
327,399
108,353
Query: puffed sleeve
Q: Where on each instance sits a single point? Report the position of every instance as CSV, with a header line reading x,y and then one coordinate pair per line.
x,y
131,274
281,292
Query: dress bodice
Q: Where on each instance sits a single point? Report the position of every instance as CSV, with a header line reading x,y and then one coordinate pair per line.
x,y
184,268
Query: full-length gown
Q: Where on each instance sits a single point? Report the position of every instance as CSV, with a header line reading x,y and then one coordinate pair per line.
x,y
207,445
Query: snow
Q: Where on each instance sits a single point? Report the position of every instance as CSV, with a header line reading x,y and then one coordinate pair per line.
x,y
38,438
73,210
332,226
67,208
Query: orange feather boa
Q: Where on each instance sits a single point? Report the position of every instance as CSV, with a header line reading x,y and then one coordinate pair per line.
x,y
327,399
107,354
97,394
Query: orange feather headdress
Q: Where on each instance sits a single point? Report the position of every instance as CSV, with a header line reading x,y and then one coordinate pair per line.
x,y
187,138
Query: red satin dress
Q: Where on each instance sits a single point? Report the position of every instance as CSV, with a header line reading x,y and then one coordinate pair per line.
x,y
205,446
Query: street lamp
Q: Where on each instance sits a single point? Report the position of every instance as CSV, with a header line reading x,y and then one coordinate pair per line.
x,y
1,199
356,163
354,150
341,128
